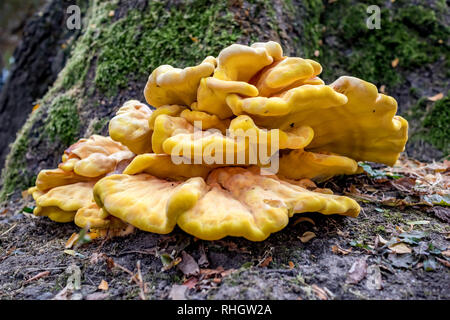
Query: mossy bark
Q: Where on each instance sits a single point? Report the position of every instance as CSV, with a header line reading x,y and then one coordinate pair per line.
x,y
121,42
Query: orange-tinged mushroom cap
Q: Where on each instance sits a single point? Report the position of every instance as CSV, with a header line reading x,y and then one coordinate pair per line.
x,y
169,85
95,156
170,110
61,203
165,127
146,202
207,121
299,164
284,73
303,98
130,127
244,203
162,166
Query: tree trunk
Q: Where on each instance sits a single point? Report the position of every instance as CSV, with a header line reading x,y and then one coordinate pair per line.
x,y
121,42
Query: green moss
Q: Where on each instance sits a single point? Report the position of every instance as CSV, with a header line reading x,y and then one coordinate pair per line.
x,y
409,32
429,121
82,54
182,36
15,175
99,125
63,122
436,124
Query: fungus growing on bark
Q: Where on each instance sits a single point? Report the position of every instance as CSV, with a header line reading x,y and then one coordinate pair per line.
x,y
314,130
130,127
60,193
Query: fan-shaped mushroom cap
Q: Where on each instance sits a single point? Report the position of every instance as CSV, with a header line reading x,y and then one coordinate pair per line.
x,y
48,179
61,203
285,73
95,156
170,110
297,100
244,203
146,202
212,94
169,85
165,127
240,63
178,139
234,202
162,166
130,127
93,217
207,121
236,65
299,164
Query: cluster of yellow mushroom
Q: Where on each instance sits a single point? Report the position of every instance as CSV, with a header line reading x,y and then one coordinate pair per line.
x,y
189,162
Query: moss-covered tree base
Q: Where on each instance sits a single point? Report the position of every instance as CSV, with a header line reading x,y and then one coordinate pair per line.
x,y
121,42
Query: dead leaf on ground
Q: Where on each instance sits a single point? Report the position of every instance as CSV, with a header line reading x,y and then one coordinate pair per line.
x,y
191,282
103,285
357,271
188,265
394,62
400,248
71,241
178,292
444,262
308,235
319,292
336,249
97,296
265,262
374,281
436,97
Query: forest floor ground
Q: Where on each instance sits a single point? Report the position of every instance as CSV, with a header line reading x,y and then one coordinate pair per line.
x,y
395,249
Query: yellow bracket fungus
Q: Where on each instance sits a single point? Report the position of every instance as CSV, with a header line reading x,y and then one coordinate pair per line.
x,y
199,162
130,127
169,85
233,202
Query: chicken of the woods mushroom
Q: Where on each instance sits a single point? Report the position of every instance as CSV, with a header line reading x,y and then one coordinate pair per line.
x,y
232,147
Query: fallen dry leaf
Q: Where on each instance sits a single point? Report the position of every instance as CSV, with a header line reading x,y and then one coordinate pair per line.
x,y
103,285
71,241
374,281
436,97
394,63
319,292
336,249
97,296
444,262
400,248
357,271
178,292
265,262
188,265
381,240
191,282
446,253
308,235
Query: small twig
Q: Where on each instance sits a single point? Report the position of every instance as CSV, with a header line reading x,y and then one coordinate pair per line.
x,y
38,276
1,235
